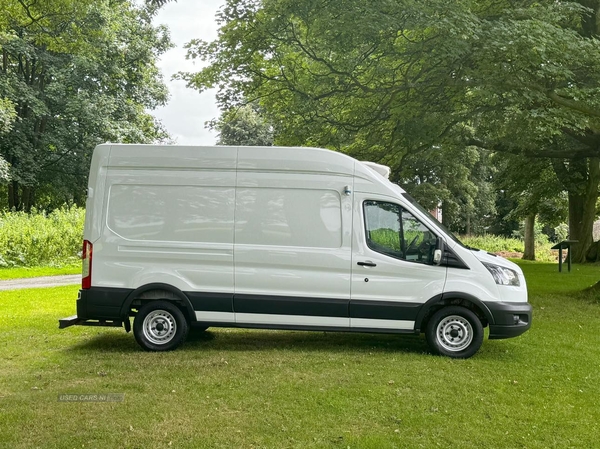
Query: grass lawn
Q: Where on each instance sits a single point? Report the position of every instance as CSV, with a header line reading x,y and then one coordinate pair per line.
x,y
31,272
273,389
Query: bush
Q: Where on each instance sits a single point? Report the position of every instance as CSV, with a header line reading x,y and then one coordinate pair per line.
x,y
38,238
509,246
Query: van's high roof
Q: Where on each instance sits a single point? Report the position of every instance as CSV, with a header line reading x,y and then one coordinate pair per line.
x,y
298,159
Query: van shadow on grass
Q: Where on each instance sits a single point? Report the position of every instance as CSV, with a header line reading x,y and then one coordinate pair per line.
x,y
107,342
274,340
267,340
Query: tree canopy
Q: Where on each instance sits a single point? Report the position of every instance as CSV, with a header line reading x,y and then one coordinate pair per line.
x,y
417,84
243,126
74,74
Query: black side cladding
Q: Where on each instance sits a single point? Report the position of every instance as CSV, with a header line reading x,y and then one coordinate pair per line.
x,y
101,303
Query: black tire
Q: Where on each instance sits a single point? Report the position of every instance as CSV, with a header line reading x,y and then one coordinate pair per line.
x,y
160,326
455,332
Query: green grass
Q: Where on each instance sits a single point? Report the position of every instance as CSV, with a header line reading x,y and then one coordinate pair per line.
x,y
272,389
31,272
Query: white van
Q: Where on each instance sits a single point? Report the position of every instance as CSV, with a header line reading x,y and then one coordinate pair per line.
x,y
279,238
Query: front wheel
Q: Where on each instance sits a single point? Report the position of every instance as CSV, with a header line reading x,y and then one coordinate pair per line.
x,y
454,332
160,326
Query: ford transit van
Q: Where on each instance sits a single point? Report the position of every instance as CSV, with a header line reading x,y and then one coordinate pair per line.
x,y
279,238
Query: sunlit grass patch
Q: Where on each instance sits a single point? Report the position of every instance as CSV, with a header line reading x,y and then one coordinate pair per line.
x,y
269,389
31,272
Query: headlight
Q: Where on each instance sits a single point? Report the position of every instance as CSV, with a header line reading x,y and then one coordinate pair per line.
x,y
503,275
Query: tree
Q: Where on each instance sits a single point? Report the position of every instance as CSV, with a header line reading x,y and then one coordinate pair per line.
x,y
78,73
532,183
243,126
7,117
548,98
389,79
458,178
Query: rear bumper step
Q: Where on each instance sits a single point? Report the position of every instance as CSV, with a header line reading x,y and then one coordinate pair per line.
x,y
74,320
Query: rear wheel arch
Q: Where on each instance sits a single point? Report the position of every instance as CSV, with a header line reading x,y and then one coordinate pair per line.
x,y
158,292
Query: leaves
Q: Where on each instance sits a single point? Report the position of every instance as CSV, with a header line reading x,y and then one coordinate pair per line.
x,y
243,126
422,86
77,74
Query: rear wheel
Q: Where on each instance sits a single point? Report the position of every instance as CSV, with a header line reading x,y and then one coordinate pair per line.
x,y
160,326
454,332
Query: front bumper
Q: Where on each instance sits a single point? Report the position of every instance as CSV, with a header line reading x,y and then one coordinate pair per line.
x,y
510,319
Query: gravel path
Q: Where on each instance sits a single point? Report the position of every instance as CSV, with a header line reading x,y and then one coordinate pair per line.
x,y
40,282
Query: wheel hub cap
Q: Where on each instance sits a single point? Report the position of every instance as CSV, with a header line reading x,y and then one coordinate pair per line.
x,y
454,333
159,327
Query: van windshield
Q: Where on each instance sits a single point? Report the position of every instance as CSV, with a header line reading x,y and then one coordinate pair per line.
x,y
432,218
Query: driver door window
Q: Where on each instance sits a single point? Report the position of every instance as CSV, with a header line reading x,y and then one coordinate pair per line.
x,y
395,232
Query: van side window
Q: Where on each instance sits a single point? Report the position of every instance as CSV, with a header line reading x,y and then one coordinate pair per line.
x,y
395,232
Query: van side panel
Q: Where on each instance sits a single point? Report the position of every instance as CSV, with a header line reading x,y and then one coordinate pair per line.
x,y
171,225
292,239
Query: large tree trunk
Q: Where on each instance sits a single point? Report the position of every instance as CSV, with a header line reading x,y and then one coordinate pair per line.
x,y
580,178
14,201
445,215
582,212
26,198
529,253
593,254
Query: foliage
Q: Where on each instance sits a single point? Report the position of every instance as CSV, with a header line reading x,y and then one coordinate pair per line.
x,y
533,184
7,115
78,73
518,73
243,126
255,388
457,178
4,171
507,247
561,231
510,247
493,243
386,237
41,239
410,83
538,232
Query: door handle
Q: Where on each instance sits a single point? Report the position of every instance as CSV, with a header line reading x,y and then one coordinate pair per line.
x,y
367,264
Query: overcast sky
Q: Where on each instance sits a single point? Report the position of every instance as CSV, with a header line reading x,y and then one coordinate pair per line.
x,y
187,111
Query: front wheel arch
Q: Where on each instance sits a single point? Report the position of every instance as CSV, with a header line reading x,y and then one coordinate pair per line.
x,y
452,299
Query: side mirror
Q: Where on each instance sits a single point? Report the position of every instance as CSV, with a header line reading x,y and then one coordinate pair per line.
x,y
438,252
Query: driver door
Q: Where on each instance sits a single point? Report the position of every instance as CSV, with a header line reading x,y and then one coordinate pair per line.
x,y
393,272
